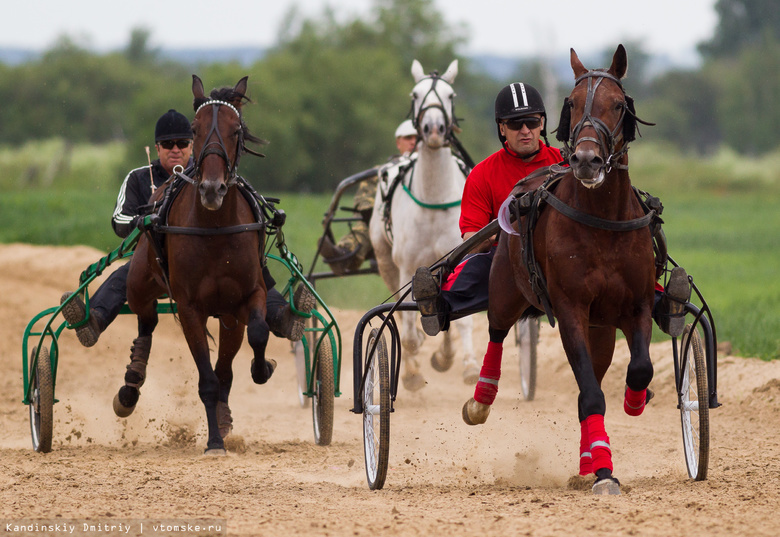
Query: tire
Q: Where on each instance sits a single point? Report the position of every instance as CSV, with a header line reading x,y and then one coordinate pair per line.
x,y
376,413
42,403
527,338
324,394
694,404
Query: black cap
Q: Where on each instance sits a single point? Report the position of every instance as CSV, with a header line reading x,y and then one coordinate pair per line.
x,y
172,126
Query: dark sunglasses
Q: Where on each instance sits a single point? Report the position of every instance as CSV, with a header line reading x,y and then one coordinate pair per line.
x,y
517,124
181,144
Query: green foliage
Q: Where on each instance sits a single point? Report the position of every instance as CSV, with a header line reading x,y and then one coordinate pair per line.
x,y
742,23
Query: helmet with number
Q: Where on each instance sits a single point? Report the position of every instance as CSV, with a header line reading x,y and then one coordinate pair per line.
x,y
517,100
172,125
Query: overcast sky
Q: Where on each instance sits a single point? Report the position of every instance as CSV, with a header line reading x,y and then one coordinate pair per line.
x,y
505,27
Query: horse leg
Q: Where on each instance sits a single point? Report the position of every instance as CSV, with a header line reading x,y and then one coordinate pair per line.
x,y
442,358
127,397
591,403
505,306
411,340
231,336
465,328
142,292
193,325
257,336
639,374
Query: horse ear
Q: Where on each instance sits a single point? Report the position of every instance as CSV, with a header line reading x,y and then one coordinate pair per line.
x,y
241,86
417,71
619,63
564,124
451,72
197,87
629,121
576,65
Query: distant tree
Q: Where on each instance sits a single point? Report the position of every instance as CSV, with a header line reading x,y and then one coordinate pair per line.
x,y
742,23
138,50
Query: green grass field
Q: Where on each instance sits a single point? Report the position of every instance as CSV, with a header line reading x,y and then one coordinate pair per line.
x,y
720,220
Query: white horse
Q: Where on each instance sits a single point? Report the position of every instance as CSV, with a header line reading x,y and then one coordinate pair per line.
x,y
423,223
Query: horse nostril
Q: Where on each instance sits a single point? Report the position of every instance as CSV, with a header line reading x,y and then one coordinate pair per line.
x,y
426,129
222,189
441,130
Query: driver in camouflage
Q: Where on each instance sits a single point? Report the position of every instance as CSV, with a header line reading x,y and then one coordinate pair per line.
x,y
355,247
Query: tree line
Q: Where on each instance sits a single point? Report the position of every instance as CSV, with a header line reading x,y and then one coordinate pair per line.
x,y
329,94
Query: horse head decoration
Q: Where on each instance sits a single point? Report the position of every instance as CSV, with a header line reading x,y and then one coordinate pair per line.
x,y
212,248
423,214
583,253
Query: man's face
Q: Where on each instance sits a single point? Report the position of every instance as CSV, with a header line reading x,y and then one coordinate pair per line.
x,y
174,153
405,144
523,134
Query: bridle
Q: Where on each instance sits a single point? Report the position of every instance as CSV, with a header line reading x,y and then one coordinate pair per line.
x,y
418,113
218,147
607,139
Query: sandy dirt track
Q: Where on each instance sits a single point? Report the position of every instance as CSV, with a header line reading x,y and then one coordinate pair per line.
x,y
508,477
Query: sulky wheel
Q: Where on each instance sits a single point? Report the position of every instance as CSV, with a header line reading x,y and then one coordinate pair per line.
x,y
694,404
376,413
42,401
527,338
324,394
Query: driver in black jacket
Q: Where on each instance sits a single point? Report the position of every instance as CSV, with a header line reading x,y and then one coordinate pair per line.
x,y
173,141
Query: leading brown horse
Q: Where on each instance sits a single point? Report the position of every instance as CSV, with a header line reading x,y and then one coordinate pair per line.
x,y
588,261
213,247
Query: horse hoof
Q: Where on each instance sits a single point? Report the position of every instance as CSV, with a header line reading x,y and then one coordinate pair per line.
x,y
121,410
471,374
606,487
414,382
475,413
260,375
441,362
215,452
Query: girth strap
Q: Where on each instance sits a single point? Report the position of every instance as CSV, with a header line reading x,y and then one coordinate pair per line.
x,y
594,221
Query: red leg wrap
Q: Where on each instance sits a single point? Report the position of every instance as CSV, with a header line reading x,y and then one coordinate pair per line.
x,y
634,403
586,461
599,443
487,386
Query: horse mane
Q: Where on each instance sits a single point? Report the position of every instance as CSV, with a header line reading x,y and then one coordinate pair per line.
x,y
230,95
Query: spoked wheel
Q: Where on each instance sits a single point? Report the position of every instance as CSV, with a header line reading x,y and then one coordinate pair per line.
x,y
42,402
376,413
694,404
323,399
527,338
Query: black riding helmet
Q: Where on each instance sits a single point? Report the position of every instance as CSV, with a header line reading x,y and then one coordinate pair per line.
x,y
172,125
517,100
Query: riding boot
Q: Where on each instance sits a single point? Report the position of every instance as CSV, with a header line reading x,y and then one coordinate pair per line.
x,y
139,358
669,311
284,322
75,312
427,294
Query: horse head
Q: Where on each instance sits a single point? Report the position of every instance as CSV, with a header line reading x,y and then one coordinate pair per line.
x,y
432,106
597,120
218,139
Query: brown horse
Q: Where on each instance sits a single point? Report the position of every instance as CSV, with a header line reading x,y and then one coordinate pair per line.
x,y
588,261
213,247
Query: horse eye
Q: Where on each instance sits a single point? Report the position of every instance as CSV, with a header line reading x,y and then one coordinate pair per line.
x,y
413,95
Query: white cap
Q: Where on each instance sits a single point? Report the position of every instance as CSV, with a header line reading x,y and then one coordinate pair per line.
x,y
405,129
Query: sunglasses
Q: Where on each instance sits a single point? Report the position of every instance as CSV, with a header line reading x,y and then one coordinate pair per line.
x,y
168,144
517,124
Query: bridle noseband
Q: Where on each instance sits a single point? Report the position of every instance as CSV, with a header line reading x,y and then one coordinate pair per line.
x,y
606,139
218,147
